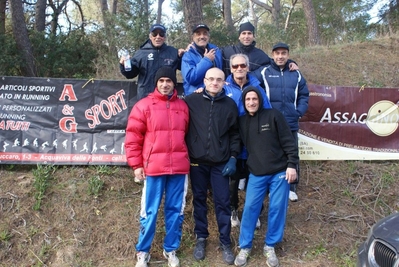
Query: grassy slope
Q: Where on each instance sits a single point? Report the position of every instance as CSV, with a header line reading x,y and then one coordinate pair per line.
x,y
339,201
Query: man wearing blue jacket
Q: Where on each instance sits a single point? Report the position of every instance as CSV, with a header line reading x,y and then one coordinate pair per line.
x,y
200,57
152,55
287,92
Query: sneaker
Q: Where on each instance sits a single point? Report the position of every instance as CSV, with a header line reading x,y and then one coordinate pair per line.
x,y
270,254
258,224
293,196
242,257
235,222
142,259
199,250
173,260
228,256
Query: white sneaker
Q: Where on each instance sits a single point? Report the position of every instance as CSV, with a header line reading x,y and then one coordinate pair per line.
x,y
173,260
242,257
258,224
293,196
142,259
270,254
235,222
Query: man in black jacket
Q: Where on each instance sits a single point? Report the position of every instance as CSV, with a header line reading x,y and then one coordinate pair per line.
x,y
247,46
152,55
213,143
272,160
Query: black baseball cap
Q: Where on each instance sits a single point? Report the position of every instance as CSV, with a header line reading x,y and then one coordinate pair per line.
x,y
200,26
281,45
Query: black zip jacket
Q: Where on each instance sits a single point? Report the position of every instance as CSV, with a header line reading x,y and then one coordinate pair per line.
x,y
268,139
146,62
213,135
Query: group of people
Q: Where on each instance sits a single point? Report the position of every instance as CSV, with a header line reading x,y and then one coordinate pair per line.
x,y
238,119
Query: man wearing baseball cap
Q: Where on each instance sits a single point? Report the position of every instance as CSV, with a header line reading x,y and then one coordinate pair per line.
x,y
153,54
200,57
287,92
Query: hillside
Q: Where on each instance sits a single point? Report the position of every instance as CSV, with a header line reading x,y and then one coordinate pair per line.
x,y
89,216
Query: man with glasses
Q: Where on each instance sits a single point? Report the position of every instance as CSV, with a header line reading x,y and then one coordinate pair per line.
x,y
200,57
213,144
236,82
152,55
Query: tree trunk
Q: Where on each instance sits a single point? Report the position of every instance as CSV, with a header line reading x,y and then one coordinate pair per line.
x,y
40,16
114,7
159,12
3,4
228,20
21,38
274,10
311,23
56,13
192,10
287,20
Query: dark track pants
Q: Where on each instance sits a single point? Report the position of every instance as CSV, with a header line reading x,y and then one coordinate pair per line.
x,y
201,176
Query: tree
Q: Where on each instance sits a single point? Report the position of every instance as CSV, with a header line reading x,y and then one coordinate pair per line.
x,y
159,11
192,10
22,39
311,23
3,6
274,9
57,8
40,16
227,17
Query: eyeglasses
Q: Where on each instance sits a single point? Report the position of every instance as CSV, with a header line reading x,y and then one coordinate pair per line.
x,y
212,79
154,34
235,66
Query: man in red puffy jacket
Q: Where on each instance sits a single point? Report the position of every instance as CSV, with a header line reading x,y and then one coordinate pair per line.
x,y
157,152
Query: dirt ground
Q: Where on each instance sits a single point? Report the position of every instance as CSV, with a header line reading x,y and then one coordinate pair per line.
x,y
338,200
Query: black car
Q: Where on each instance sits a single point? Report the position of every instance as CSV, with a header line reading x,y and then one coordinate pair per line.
x,y
381,249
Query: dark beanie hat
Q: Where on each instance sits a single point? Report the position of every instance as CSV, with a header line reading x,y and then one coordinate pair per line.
x,y
247,26
165,72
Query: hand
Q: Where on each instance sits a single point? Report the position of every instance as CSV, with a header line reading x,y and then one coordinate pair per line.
x,y
199,90
230,167
122,60
180,52
290,175
210,54
139,173
293,66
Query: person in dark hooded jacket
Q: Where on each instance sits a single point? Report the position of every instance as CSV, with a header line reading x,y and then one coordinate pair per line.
x,y
152,55
272,160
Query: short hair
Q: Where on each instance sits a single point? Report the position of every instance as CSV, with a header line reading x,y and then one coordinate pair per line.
x,y
239,55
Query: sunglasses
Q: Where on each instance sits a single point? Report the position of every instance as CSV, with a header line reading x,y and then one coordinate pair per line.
x,y
154,34
243,66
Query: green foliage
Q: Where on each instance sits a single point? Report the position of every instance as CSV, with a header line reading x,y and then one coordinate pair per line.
x,y
42,174
5,235
95,185
64,56
10,59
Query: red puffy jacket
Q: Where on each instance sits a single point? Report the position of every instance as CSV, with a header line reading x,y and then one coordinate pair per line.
x,y
155,134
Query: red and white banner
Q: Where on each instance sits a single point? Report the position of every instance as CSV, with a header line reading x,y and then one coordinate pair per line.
x,y
70,121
